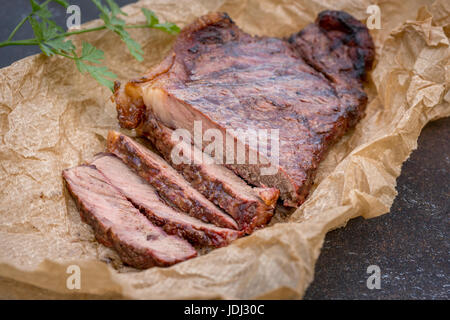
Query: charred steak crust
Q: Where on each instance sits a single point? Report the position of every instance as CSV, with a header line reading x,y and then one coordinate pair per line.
x,y
340,35
118,224
250,207
169,184
341,48
308,86
145,198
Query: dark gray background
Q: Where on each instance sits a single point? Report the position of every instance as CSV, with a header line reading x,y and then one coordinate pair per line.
x,y
410,245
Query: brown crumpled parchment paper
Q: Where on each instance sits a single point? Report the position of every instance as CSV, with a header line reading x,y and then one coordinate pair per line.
x,y
51,118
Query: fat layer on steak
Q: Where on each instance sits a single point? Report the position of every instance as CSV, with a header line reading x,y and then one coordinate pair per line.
x,y
145,197
118,224
308,86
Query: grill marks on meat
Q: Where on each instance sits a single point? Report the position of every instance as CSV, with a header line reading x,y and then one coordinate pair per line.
x,y
168,183
250,207
309,87
118,224
339,47
144,197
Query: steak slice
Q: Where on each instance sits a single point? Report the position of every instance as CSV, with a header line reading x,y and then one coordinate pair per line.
x,y
144,197
309,87
168,183
250,207
118,224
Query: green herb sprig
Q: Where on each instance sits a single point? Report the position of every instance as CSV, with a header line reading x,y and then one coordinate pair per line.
x,y
52,39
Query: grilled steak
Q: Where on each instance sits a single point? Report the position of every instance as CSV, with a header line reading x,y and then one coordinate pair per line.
x,y
308,86
250,207
118,224
144,197
168,183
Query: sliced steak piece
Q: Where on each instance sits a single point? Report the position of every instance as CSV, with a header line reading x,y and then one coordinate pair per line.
x,y
250,207
144,197
118,224
168,183
309,87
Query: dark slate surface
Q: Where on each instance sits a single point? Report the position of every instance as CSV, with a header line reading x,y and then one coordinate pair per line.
x,y
410,245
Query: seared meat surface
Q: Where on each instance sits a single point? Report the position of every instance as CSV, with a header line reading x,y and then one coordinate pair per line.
x,y
118,224
309,87
169,184
145,197
250,207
